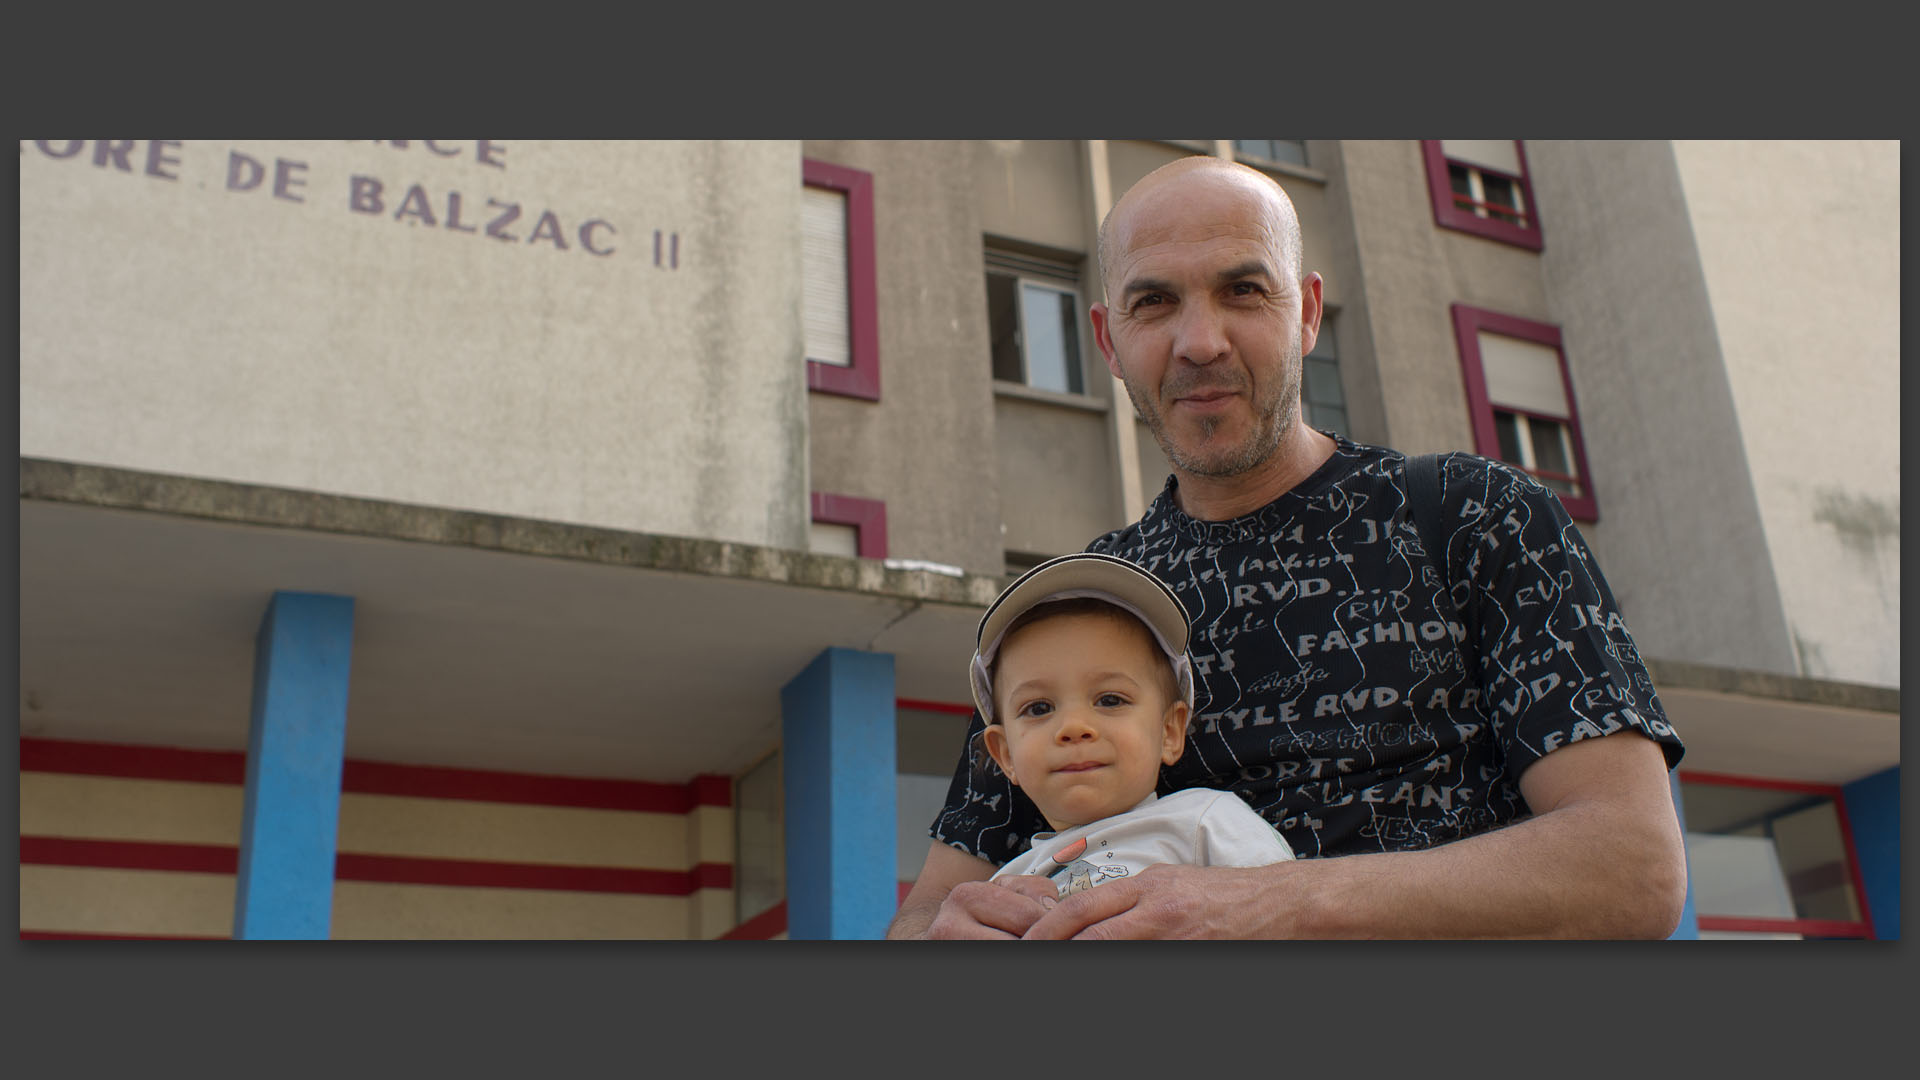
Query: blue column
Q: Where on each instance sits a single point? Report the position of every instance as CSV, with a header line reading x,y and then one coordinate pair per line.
x,y
1689,928
296,745
837,762
1873,815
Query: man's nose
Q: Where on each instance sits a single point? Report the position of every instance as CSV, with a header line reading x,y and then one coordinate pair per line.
x,y
1201,334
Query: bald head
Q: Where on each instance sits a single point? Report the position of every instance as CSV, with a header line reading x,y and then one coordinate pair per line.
x,y
1175,184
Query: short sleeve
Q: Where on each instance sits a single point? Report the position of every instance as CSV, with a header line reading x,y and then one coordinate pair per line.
x,y
1557,664
1231,834
985,814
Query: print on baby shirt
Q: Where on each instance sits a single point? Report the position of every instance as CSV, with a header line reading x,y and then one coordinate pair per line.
x,y
1331,659
1072,874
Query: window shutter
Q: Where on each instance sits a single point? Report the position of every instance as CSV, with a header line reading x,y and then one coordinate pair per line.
x,y
1523,374
1500,155
823,273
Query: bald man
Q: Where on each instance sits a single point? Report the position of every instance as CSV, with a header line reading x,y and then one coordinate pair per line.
x,y
1459,743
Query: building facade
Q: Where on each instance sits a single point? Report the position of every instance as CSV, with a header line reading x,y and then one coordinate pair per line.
x,y
632,504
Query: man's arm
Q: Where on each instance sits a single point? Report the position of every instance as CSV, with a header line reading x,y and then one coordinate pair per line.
x,y
952,899
1602,857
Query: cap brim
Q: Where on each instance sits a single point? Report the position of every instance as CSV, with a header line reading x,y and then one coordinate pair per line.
x,y
1084,574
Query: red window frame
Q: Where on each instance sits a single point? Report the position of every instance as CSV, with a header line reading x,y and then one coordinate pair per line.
x,y
1453,211
860,379
1825,928
867,516
1468,322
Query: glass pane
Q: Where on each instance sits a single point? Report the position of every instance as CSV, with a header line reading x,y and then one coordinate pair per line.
x,y
1457,177
1003,325
1328,418
1052,339
1550,446
1505,428
1767,853
1499,191
760,863
1323,382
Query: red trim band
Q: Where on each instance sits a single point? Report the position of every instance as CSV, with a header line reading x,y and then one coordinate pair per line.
x,y
387,869
1690,776
380,778
1806,927
953,707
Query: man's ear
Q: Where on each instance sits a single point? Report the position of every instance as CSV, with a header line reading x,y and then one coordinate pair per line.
x,y
1311,309
1103,337
996,739
1175,742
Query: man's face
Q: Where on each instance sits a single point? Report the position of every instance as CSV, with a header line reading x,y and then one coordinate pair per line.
x,y
1083,720
1205,324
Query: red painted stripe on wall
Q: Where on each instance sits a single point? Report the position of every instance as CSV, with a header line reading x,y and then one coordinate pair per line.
x,y
62,935
132,762
389,869
380,778
129,854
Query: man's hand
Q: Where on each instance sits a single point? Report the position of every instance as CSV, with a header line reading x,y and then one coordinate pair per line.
x,y
1167,901
1003,908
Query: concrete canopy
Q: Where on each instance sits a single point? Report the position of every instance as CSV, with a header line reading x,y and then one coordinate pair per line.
x,y
481,641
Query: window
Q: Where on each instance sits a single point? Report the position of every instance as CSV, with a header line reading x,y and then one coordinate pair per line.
x,y
1285,151
1321,396
1520,397
845,525
838,284
1771,858
1481,186
1033,315
760,852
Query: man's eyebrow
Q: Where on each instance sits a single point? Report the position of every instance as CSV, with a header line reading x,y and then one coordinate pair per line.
x,y
1147,284
1251,268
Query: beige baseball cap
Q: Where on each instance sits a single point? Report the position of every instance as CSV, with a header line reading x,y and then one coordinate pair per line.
x,y
1103,577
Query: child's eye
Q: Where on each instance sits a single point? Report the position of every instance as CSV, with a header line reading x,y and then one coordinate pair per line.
x,y
1036,709
1110,701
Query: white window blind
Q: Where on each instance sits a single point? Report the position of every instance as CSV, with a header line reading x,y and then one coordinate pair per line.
x,y
823,275
1523,375
1500,154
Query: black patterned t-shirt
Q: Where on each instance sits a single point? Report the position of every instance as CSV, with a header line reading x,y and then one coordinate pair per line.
x,y
1342,689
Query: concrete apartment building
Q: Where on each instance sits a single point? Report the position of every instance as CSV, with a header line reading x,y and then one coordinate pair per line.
x,y
431,539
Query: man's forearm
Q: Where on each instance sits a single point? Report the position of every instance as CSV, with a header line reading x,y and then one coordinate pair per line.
x,y
1573,873
911,921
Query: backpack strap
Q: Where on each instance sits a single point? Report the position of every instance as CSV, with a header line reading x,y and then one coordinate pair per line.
x,y
1423,499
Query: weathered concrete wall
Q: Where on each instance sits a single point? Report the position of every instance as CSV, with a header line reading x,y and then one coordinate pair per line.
x,y
1800,246
1414,272
926,447
1678,518
599,333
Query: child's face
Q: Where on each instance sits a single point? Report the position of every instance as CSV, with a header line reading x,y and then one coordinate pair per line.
x,y
1084,720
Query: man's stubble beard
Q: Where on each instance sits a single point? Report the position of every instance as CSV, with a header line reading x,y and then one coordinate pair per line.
x,y
1273,422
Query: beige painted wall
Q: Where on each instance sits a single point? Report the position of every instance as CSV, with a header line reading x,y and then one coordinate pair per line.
x,y
99,900
329,319
1800,245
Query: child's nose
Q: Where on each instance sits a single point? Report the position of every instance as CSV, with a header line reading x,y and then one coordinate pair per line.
x,y
1074,727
